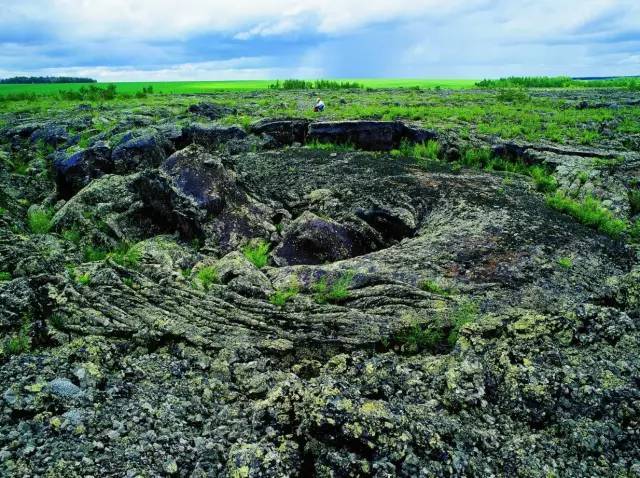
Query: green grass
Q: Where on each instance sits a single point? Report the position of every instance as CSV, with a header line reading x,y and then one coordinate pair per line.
x,y
257,252
39,220
83,279
94,253
545,182
71,235
207,276
421,152
465,313
126,255
335,292
565,262
281,296
330,147
433,287
418,337
440,334
590,212
20,342
634,202
5,276
195,87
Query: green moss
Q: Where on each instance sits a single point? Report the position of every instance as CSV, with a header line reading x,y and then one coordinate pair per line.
x,y
257,251
5,276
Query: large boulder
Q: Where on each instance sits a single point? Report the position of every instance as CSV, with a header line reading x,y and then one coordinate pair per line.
x,y
130,208
314,240
200,176
74,172
211,110
137,153
210,136
367,135
51,134
283,131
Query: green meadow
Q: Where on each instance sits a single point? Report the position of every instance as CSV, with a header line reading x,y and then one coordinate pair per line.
x,y
199,87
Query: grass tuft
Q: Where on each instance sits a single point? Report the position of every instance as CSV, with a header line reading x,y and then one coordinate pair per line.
x,y
257,251
590,212
333,293
39,220
207,276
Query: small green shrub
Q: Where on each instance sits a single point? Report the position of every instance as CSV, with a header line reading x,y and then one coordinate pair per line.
x,y
331,147
583,177
5,276
57,321
72,235
83,279
334,293
128,281
590,212
257,252
634,202
94,253
565,262
465,313
281,296
126,255
543,180
207,276
433,287
39,220
634,231
476,157
20,342
418,337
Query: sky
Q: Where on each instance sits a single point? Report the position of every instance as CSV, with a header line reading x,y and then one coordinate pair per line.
x,y
169,40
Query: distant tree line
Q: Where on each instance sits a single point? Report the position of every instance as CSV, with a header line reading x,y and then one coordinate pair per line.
x,y
29,80
631,83
314,85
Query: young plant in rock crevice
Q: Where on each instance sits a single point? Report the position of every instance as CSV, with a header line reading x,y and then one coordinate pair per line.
x,y
335,292
257,252
281,296
207,276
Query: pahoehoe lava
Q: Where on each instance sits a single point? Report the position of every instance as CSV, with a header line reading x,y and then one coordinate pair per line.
x,y
407,319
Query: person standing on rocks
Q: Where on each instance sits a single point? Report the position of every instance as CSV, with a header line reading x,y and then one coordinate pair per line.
x,y
319,107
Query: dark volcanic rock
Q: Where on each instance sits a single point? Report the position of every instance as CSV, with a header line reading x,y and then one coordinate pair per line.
x,y
209,136
200,176
51,135
283,131
314,240
146,151
74,172
367,135
211,110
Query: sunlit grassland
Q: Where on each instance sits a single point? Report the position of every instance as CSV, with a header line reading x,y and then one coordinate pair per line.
x,y
530,115
197,87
